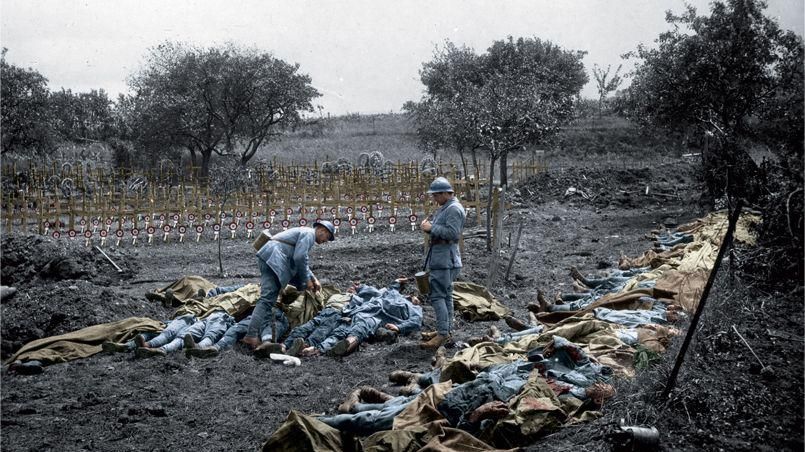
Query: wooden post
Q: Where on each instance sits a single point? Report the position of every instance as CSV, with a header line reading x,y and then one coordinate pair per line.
x,y
514,252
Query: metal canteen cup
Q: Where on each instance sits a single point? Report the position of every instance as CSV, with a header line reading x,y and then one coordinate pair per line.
x,y
422,282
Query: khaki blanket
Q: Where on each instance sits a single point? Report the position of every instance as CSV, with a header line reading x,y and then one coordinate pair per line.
x,y
535,411
420,427
475,303
305,305
84,342
186,288
235,303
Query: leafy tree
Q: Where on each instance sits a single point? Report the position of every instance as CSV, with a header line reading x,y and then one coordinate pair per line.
x,y
224,101
514,95
736,76
605,86
714,72
24,109
83,116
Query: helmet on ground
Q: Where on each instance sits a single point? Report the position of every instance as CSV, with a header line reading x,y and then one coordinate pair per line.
x,y
440,185
327,225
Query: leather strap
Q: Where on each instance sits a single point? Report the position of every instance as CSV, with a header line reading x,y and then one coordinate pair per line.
x,y
283,241
442,242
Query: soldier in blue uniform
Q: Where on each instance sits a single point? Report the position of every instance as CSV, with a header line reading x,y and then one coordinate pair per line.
x,y
444,260
283,260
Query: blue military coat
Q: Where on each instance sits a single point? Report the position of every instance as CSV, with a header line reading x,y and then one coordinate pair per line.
x,y
287,256
447,225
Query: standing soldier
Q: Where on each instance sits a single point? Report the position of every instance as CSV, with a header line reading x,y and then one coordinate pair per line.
x,y
282,260
444,258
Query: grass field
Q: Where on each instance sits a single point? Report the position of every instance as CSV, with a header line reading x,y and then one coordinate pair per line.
x,y
585,141
347,136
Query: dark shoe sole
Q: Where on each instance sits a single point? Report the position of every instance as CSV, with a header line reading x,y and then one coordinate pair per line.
x,y
264,350
343,348
203,353
296,347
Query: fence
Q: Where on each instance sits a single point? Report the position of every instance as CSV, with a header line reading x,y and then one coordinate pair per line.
x,y
120,206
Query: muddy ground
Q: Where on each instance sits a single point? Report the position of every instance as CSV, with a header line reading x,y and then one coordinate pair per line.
x,y
724,400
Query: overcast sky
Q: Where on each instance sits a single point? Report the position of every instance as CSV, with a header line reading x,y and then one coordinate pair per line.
x,y
363,56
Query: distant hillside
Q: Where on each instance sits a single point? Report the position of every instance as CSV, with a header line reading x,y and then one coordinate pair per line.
x,y
328,139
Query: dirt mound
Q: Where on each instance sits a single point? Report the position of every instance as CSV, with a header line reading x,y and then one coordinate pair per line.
x,y
28,259
64,286
601,187
54,309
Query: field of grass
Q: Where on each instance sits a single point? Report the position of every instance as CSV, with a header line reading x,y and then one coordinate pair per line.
x,y
329,139
586,141
592,141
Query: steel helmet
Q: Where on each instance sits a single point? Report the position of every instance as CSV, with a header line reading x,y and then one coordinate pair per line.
x,y
329,226
440,185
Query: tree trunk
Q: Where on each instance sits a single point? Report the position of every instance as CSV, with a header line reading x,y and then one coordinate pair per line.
x,y
489,204
504,169
206,156
463,162
193,162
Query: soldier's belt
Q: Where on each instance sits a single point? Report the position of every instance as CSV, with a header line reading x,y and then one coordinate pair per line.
x,y
442,242
284,241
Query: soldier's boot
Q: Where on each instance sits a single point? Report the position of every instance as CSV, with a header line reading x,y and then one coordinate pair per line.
x,y
202,352
145,352
114,347
515,323
410,389
428,335
140,341
296,347
402,377
368,394
434,343
345,346
350,401
576,274
267,348
600,392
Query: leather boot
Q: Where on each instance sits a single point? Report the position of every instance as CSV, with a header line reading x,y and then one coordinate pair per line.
x,y
385,335
114,347
202,352
576,274
188,342
296,347
368,394
515,323
267,348
544,304
145,352
410,389
402,377
345,347
350,401
428,335
140,341
434,343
